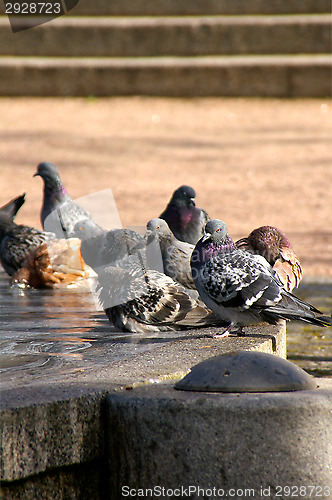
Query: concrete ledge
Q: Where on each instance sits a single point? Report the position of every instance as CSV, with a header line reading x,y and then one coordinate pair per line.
x,y
233,441
43,435
273,76
165,36
84,434
59,420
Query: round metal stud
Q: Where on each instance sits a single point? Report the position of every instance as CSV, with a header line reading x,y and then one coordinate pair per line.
x,y
246,371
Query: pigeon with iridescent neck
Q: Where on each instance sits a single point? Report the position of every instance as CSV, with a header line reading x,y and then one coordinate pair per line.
x,y
241,288
184,219
274,246
59,212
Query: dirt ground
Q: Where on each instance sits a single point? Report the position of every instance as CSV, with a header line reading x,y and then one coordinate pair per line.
x,y
251,161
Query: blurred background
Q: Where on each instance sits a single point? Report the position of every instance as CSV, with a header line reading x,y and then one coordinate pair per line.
x,y
142,96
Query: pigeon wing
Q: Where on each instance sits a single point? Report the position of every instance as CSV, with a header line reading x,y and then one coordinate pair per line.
x,y
239,280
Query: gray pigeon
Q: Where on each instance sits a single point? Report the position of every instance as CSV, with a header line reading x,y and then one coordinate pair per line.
x,y
12,207
134,292
175,254
59,212
185,220
241,288
274,246
17,241
102,248
142,301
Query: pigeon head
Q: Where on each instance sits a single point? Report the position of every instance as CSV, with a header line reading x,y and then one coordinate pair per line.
x,y
268,241
87,229
216,238
184,196
157,231
50,175
158,227
216,230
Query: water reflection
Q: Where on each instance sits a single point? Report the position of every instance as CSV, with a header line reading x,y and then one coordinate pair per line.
x,y
48,332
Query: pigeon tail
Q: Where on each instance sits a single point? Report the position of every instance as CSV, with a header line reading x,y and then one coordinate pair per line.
x,y
12,207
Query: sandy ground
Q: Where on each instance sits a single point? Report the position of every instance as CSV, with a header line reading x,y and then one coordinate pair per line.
x,y
251,162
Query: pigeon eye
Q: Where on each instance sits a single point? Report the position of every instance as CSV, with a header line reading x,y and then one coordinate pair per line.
x,y
158,227
218,230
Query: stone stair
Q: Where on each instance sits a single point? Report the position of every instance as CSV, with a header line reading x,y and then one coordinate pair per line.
x,y
172,48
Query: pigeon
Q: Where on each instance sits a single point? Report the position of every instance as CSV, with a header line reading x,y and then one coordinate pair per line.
x,y
59,212
142,301
102,248
242,288
53,264
185,220
175,254
17,241
135,293
12,207
273,244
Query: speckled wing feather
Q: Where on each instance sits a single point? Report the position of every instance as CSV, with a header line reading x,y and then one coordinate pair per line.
x,y
238,280
139,301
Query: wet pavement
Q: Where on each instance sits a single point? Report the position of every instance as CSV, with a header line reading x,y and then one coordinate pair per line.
x,y
43,331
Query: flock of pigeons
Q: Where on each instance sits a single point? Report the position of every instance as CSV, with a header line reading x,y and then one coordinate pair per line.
x,y
184,272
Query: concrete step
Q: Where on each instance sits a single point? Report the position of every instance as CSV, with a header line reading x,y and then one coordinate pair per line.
x,y
274,76
165,36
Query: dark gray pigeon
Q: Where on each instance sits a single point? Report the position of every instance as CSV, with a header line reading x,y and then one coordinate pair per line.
x,y
12,207
59,212
175,254
17,241
185,220
275,247
241,288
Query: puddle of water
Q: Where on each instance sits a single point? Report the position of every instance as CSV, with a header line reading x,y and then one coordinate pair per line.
x,y
49,332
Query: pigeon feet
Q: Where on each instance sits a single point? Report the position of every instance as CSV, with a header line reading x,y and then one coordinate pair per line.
x,y
228,331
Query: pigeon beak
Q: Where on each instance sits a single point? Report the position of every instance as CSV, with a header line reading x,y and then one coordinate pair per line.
x,y
206,236
35,174
192,202
149,235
